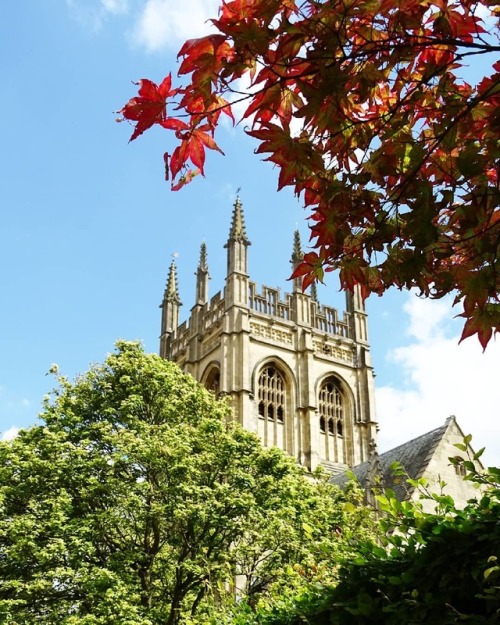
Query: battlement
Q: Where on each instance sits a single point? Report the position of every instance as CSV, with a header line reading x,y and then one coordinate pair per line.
x,y
213,312
270,305
269,302
323,318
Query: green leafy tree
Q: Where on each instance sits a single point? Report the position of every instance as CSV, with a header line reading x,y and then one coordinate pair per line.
x,y
139,501
438,569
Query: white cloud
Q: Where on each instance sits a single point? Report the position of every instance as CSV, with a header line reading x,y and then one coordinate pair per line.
x,y
115,7
92,14
441,378
168,23
9,434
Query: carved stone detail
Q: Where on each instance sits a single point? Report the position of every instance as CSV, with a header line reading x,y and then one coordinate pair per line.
x,y
273,333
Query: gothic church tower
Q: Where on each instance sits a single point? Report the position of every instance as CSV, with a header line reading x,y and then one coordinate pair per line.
x,y
297,374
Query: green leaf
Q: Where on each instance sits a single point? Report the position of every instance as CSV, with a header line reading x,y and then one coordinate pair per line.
x,y
490,570
307,529
350,507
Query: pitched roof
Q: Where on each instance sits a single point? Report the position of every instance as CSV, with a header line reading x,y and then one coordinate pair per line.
x,y
414,456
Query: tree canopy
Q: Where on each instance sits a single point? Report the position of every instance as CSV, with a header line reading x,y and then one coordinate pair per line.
x,y
438,569
365,109
139,501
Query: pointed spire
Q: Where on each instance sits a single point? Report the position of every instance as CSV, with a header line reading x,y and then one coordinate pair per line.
x,y
171,290
238,231
202,265
297,253
169,311
314,293
297,256
202,277
237,254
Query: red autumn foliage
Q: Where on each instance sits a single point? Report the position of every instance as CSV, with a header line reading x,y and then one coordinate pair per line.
x,y
362,106
150,106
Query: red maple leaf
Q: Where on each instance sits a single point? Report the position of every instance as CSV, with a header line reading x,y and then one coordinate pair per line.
x,y
150,106
362,109
483,323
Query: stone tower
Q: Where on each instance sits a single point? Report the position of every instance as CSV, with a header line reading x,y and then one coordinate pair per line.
x,y
297,373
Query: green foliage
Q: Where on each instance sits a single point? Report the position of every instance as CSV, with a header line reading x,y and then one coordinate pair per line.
x,y
437,569
139,501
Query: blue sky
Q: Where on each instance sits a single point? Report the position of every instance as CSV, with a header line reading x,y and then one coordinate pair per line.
x,y
88,224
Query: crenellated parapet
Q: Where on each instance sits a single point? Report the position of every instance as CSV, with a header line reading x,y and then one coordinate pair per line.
x,y
326,319
213,313
179,341
323,318
271,318
269,302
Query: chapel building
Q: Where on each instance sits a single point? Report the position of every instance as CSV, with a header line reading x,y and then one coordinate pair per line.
x,y
297,373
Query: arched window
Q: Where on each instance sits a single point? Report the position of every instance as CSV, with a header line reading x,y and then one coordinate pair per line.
x,y
212,381
272,395
272,407
331,420
330,407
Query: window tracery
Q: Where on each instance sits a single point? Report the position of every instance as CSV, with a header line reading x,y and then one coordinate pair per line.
x,y
331,408
272,395
331,419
